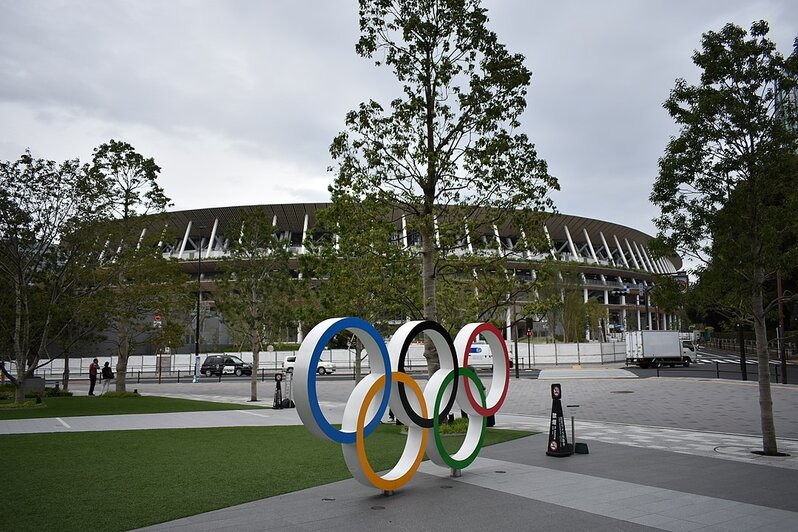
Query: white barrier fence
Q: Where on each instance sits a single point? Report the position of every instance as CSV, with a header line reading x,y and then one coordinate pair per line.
x,y
529,356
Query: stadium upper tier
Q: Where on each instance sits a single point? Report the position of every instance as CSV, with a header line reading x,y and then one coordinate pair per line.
x,y
603,248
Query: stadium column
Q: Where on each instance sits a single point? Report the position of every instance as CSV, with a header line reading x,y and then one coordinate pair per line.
x,y
212,238
632,254
607,249
620,250
571,244
590,246
185,241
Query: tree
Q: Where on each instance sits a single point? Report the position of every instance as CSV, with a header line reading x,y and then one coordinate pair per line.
x,y
595,313
574,319
359,269
726,186
447,154
139,281
257,293
43,252
669,295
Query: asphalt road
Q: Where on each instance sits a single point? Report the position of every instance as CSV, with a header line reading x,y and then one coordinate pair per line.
x,y
720,366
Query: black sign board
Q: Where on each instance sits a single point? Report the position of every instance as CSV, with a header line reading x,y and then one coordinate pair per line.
x,y
278,391
558,438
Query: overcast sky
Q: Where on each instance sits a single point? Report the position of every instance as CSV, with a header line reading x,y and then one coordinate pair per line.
x,y
238,100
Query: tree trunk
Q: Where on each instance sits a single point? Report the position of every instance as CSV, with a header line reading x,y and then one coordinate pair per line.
x,y
65,375
430,302
253,381
22,376
769,446
124,351
19,393
428,221
20,343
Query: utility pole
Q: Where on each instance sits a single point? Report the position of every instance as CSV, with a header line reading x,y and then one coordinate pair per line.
x,y
782,346
199,300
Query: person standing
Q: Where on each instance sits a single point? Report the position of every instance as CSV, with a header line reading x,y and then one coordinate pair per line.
x,y
108,376
93,376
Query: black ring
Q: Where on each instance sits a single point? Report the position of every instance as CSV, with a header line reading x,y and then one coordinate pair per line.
x,y
425,325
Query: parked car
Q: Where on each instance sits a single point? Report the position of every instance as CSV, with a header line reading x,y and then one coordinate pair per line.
x,y
322,369
225,365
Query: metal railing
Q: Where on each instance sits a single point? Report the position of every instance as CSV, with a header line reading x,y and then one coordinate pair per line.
x,y
724,371
733,346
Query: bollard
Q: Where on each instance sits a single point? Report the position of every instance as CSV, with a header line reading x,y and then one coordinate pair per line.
x,y
579,448
278,392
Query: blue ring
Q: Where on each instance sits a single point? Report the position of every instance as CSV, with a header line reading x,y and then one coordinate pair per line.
x,y
357,326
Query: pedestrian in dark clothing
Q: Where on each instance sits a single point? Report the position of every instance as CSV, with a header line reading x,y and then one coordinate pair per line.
x,y
108,376
93,367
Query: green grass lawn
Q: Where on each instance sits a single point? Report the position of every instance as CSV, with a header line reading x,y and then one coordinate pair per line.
x,y
127,479
98,406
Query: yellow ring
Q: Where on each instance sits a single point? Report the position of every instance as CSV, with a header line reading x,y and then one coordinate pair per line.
x,y
360,441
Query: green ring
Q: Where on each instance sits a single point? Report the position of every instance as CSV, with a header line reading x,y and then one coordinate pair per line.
x,y
451,462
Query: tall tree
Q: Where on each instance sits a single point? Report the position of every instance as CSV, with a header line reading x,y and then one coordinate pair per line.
x,y
727,182
140,281
257,293
447,153
43,206
573,304
595,315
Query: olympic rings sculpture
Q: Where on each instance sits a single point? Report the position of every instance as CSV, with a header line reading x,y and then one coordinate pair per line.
x,y
455,383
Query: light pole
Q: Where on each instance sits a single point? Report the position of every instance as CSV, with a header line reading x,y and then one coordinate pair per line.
x,y
514,332
644,291
199,298
743,367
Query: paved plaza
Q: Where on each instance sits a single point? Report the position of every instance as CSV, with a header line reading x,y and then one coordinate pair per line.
x,y
665,453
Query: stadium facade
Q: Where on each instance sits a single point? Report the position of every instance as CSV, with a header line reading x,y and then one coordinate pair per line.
x,y
614,262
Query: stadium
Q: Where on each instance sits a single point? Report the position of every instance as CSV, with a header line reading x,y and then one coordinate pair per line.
x,y
615,266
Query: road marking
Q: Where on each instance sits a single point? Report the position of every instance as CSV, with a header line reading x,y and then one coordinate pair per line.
x,y
252,413
63,422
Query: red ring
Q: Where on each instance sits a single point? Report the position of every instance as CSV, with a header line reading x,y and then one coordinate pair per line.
x,y
488,411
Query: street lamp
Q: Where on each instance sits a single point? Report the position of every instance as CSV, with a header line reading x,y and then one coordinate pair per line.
x,y
199,298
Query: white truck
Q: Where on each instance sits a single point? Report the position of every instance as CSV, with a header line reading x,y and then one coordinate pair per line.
x,y
657,348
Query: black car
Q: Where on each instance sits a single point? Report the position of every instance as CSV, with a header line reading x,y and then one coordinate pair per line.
x,y
225,365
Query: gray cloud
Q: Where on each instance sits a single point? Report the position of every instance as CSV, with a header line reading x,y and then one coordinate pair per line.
x,y
239,100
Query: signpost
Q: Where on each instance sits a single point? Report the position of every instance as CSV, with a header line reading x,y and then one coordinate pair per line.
x,y
558,437
158,324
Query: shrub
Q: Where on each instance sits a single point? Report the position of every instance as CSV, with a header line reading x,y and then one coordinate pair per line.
x,y
458,426
7,391
49,392
26,404
120,394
